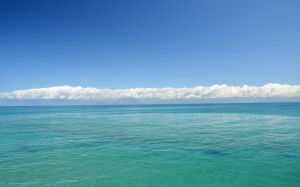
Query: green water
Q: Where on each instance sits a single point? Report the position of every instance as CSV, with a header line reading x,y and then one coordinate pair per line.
x,y
152,145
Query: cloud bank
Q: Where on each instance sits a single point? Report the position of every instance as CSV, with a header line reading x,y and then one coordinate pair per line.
x,y
219,92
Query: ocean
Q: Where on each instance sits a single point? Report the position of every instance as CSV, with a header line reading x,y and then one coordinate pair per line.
x,y
234,145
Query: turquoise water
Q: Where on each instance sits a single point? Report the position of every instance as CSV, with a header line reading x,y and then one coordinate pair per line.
x,y
151,145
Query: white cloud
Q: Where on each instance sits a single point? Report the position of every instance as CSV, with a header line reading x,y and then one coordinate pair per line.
x,y
199,92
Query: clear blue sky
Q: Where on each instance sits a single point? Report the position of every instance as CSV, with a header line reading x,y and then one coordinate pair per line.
x,y
154,43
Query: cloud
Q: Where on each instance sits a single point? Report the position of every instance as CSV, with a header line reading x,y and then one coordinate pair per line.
x,y
197,93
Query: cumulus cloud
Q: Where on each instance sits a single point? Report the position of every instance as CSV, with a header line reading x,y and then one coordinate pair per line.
x,y
199,92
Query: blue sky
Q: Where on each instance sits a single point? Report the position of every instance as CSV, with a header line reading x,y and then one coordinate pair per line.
x,y
134,43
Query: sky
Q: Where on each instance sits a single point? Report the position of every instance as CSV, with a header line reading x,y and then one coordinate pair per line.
x,y
117,44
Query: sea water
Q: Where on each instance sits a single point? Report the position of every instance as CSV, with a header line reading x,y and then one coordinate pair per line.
x,y
151,145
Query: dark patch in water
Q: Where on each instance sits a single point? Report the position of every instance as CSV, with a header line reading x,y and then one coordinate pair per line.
x,y
291,156
210,152
214,152
26,149
85,144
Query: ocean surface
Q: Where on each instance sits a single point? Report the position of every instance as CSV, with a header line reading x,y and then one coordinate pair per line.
x,y
234,145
